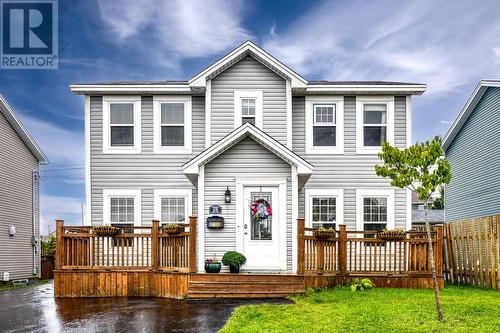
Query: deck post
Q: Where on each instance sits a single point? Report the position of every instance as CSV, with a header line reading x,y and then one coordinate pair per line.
x,y
300,245
192,244
154,245
59,244
342,253
439,250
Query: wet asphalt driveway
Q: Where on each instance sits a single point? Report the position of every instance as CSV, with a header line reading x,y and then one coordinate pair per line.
x,y
34,309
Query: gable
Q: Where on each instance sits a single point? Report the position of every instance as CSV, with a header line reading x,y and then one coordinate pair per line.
x,y
253,66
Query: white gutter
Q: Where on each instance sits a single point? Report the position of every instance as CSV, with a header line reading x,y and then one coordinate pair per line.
x,y
129,88
320,88
34,241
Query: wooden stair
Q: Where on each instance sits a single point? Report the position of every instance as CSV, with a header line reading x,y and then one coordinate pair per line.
x,y
203,286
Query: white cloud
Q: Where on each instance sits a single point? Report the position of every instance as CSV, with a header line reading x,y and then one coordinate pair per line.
x,y
445,122
169,31
440,43
59,207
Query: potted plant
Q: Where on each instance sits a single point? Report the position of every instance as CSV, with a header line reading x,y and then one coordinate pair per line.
x,y
234,260
106,231
172,228
323,232
212,265
391,235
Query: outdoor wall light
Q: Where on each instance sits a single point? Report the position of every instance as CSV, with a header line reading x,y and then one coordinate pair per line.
x,y
227,196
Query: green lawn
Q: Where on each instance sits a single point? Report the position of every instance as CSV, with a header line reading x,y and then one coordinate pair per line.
x,y
378,310
32,284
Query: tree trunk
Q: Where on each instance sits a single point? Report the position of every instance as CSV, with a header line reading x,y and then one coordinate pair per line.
x,y
439,309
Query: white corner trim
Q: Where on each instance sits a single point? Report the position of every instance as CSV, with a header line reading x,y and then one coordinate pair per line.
x,y
106,133
186,193
408,209
201,219
338,101
88,183
188,117
241,94
109,193
310,193
289,116
360,101
361,193
295,215
208,114
409,121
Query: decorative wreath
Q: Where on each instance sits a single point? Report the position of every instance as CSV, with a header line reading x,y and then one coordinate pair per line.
x,y
261,210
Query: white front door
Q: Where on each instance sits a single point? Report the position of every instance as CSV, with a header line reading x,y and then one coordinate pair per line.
x,y
261,239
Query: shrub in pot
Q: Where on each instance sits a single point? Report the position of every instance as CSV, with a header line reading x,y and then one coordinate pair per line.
x,y
212,265
234,260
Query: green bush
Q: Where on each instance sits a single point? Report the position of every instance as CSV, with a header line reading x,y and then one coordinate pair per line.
x,y
361,284
234,259
48,246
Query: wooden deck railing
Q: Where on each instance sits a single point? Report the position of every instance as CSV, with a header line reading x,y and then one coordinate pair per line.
x,y
351,252
134,248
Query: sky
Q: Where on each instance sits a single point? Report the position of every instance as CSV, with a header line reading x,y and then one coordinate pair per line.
x,y
449,45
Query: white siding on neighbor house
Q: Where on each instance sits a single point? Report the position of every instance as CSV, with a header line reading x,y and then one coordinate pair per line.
x,y
248,74
247,158
147,171
349,171
16,166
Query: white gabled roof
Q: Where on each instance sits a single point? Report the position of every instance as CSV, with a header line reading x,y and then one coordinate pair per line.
x,y
467,109
247,48
192,167
23,133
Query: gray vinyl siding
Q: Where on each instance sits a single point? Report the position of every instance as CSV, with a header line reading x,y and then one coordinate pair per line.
x,y
16,166
242,160
146,171
248,74
348,171
473,157
400,121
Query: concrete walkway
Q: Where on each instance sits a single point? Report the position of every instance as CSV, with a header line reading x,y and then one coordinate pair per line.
x,y
34,309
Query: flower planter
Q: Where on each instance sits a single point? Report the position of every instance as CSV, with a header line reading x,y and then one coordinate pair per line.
x,y
391,235
173,230
213,268
324,233
106,231
234,269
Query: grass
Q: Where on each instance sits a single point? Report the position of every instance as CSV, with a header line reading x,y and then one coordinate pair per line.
x,y
32,283
377,310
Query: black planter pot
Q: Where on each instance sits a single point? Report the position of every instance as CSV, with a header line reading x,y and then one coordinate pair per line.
x,y
212,268
234,269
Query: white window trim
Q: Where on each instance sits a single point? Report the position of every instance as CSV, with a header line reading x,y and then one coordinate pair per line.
x,y
362,193
106,132
314,192
360,101
158,148
339,113
107,194
169,193
241,94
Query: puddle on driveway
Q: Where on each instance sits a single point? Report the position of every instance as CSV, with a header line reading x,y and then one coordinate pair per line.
x,y
35,310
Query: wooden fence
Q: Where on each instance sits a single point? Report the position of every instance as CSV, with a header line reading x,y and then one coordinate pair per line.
x,y
472,252
362,253
134,248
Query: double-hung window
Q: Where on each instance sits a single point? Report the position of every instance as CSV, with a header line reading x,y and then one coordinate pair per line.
x,y
172,205
172,124
248,108
121,208
121,125
324,207
375,123
324,125
375,210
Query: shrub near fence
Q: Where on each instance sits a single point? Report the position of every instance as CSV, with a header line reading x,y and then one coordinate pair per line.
x,y
472,252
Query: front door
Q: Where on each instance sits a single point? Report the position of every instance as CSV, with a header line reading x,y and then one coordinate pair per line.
x,y
261,239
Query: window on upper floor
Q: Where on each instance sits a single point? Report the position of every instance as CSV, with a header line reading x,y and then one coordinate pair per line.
x,y
324,125
375,123
172,124
121,125
248,108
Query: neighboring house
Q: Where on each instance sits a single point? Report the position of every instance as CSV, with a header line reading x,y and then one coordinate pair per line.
x,y
20,158
471,147
435,216
248,124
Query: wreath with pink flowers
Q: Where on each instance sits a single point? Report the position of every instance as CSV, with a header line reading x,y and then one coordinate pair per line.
x,y
260,209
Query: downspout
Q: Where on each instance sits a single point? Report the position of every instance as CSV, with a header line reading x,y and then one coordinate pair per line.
x,y
34,181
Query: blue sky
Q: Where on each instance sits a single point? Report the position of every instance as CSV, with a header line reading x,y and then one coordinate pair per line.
x,y
449,45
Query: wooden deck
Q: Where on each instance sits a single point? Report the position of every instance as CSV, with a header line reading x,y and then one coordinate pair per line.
x,y
143,261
